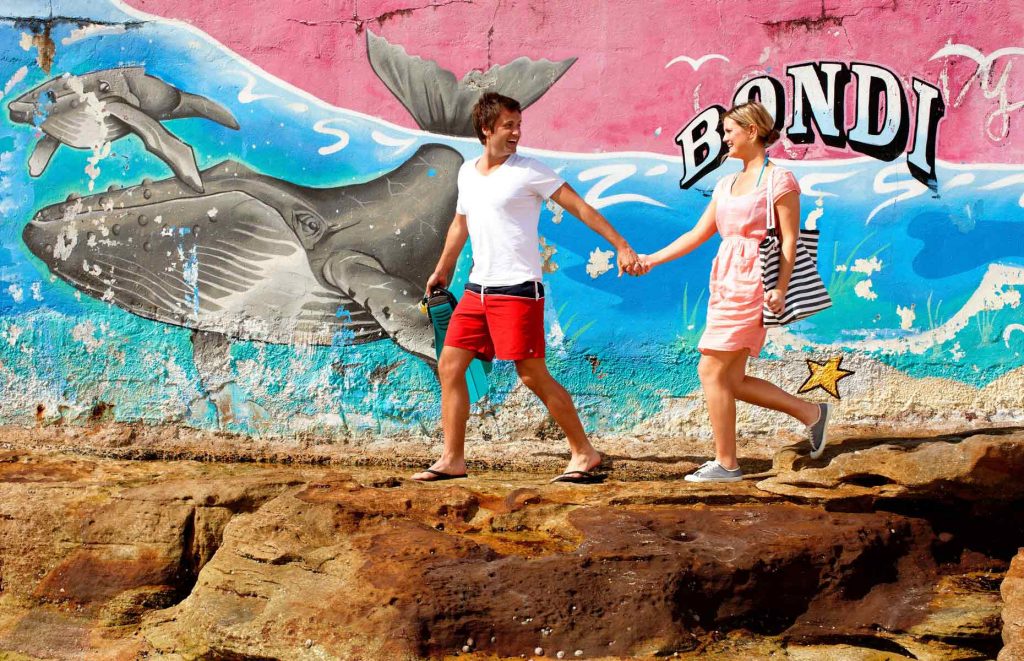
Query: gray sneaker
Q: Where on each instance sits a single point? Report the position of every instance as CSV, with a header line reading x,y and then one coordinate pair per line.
x,y
712,471
816,432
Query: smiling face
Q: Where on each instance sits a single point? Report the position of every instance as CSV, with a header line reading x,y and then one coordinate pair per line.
x,y
503,139
742,142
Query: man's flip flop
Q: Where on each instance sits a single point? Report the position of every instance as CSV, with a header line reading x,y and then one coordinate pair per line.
x,y
581,477
439,476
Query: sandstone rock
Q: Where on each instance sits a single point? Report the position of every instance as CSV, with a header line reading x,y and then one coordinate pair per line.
x,y
968,467
110,559
416,571
1012,591
88,546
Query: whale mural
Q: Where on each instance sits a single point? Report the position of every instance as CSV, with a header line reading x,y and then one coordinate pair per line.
x,y
229,260
259,258
95,109
273,289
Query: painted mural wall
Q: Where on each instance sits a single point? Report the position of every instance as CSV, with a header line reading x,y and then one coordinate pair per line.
x,y
224,216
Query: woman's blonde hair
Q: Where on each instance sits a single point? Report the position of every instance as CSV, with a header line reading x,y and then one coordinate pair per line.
x,y
754,114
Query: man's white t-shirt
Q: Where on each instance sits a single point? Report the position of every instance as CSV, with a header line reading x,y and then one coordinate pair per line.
x,y
502,211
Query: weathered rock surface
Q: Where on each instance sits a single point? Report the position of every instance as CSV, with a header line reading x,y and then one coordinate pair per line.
x,y
977,466
1012,591
104,558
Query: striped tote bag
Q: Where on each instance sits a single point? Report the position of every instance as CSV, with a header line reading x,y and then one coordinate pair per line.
x,y
806,293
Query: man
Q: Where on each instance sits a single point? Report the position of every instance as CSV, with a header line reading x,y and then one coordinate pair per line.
x,y
501,313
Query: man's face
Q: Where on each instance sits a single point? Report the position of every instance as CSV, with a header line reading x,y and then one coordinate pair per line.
x,y
504,137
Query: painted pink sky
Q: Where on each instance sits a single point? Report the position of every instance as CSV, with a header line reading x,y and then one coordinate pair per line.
x,y
620,95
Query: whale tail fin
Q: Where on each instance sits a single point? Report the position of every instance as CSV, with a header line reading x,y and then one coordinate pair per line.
x,y
441,104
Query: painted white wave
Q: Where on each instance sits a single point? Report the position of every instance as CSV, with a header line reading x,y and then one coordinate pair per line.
x,y
808,182
400,144
1011,180
610,175
909,186
341,135
247,94
996,291
962,179
18,76
1010,330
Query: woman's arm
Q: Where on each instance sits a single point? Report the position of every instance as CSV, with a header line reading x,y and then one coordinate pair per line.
x,y
787,219
701,232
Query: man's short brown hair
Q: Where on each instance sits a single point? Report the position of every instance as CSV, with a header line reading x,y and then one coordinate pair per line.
x,y
487,110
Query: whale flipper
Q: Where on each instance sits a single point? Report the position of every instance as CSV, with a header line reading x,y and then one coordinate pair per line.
x,y
172,102
441,104
42,154
159,142
392,301
193,105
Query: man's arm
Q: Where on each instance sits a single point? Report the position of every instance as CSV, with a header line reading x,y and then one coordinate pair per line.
x,y
570,200
458,232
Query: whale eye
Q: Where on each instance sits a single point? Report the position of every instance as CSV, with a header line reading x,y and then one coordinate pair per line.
x,y
308,224
51,96
104,86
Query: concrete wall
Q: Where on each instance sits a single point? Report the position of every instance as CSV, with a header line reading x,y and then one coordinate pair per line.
x,y
187,185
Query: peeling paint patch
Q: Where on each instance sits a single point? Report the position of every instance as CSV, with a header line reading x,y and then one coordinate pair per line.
x,y
94,133
17,293
863,289
92,30
556,211
66,242
907,316
547,255
867,266
600,262
85,332
45,48
11,333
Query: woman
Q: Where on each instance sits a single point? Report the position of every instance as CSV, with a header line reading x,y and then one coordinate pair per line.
x,y
734,332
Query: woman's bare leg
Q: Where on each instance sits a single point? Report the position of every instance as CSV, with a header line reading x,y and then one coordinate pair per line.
x,y
763,393
719,372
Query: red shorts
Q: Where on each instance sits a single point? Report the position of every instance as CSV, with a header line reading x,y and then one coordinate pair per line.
x,y
498,326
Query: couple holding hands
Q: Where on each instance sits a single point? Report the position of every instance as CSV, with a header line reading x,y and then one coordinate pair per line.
x,y
501,314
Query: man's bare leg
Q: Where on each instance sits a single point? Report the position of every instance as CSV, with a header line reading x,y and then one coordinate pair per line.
x,y
451,370
534,374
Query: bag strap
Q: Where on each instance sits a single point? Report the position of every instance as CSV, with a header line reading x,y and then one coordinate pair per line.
x,y
770,203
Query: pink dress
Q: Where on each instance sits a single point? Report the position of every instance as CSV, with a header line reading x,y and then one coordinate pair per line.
x,y
737,292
